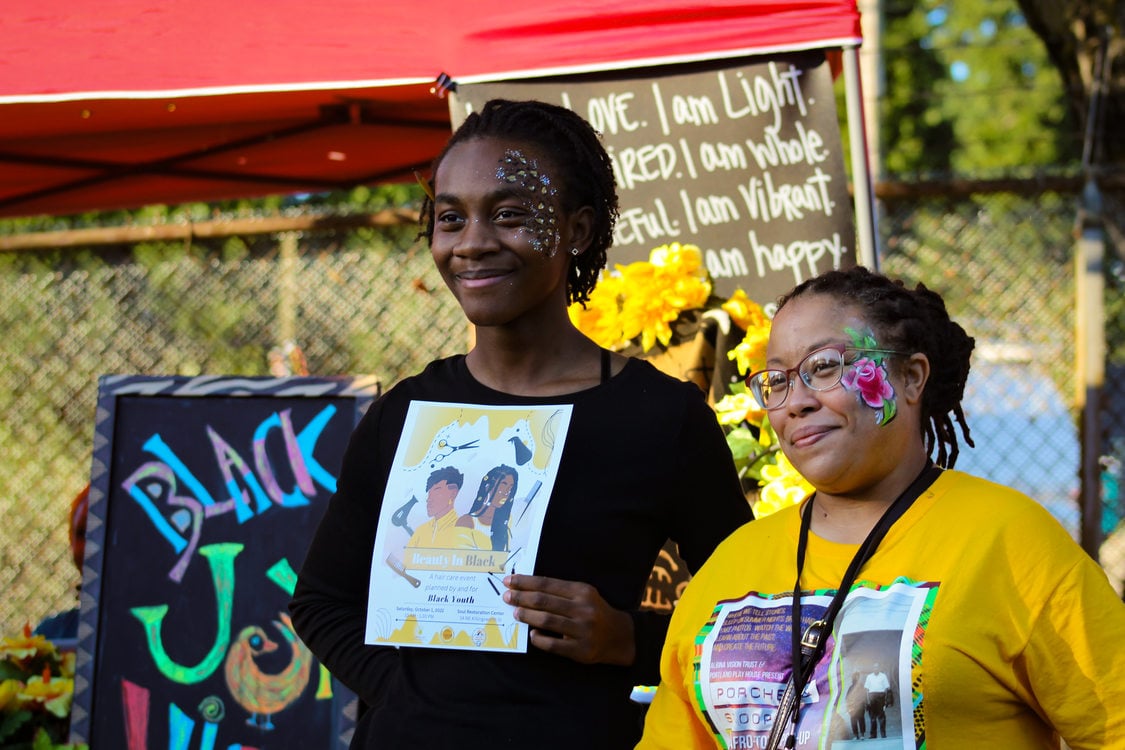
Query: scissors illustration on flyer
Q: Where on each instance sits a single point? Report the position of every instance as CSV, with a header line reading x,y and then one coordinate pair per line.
x,y
463,507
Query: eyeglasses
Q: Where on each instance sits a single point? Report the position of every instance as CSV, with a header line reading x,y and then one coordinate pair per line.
x,y
820,370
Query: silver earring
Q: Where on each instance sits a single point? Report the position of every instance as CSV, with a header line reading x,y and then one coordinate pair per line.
x,y
574,251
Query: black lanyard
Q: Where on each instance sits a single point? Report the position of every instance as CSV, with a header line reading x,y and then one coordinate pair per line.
x,y
808,647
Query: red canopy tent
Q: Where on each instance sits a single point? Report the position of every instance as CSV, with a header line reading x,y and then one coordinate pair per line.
x,y
124,103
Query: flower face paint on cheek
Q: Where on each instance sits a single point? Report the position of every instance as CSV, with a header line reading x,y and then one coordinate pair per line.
x,y
868,377
543,224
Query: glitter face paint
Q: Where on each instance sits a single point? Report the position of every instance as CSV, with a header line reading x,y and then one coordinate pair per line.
x,y
543,223
868,378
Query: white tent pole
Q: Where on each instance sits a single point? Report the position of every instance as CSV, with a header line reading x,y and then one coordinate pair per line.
x,y
863,187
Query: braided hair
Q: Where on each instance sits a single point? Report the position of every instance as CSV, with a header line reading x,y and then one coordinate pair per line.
x,y
486,493
909,321
579,164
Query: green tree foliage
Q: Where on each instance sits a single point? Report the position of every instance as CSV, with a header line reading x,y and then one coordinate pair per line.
x,y
971,90
1086,43
916,135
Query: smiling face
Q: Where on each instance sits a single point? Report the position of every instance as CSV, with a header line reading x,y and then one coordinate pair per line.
x,y
501,238
833,437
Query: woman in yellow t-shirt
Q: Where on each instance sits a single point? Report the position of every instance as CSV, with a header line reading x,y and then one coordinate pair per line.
x,y
992,627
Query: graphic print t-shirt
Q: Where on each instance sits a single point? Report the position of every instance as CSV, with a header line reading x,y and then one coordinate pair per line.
x,y
976,585
745,653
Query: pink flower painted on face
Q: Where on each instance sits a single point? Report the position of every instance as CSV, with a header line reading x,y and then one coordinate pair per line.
x,y
869,379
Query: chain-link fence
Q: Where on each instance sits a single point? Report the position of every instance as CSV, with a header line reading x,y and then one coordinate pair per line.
x,y
1006,265
363,302
218,308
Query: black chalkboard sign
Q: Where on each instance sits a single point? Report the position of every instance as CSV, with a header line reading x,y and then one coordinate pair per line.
x,y
204,495
742,159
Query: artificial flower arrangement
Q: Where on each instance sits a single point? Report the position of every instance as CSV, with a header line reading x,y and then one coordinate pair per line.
x,y
638,305
36,690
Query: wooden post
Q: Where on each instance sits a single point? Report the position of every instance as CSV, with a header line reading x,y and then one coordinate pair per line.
x,y
1090,360
287,289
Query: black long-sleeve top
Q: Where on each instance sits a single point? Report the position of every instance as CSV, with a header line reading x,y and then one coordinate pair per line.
x,y
644,461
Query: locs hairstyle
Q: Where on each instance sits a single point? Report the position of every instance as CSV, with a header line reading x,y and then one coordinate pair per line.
x,y
575,157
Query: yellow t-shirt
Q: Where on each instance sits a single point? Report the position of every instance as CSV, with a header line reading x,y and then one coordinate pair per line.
x,y
994,628
437,533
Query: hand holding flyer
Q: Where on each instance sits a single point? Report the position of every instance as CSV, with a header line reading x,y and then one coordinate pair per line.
x,y
486,473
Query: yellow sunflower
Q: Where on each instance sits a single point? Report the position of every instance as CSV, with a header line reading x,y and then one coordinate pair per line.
x,y
52,694
639,300
782,486
750,353
25,647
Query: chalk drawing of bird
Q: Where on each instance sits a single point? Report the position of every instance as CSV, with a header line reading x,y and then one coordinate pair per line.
x,y
263,694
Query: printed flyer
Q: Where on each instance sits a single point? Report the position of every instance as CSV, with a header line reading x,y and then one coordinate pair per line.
x,y
464,506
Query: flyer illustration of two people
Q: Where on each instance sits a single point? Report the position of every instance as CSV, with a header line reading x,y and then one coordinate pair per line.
x,y
463,507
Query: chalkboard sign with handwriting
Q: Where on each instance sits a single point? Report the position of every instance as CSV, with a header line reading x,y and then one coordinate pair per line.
x,y
204,495
743,161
